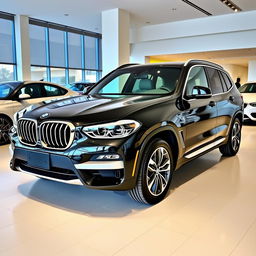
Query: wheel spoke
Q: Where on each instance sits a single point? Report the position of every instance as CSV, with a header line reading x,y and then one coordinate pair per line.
x,y
158,171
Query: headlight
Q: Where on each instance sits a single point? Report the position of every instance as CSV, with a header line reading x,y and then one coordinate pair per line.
x,y
115,130
253,104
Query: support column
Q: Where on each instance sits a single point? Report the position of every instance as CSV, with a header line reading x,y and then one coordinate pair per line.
x,y
115,39
252,70
22,47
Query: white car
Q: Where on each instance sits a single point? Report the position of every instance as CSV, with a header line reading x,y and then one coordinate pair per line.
x,y
15,96
248,91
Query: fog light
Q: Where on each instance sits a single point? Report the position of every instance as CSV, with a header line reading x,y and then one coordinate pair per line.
x,y
108,157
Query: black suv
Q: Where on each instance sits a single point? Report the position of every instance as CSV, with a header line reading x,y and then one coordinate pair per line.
x,y
133,128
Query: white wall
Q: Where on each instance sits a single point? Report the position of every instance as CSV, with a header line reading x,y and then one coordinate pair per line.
x,y
225,32
236,71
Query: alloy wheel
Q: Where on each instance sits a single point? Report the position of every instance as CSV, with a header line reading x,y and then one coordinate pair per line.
x,y
158,171
236,136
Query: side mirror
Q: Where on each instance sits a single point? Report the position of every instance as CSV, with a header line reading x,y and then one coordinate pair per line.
x,y
85,90
200,92
24,96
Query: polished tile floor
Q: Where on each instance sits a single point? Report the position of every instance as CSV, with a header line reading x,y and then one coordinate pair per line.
x,y
211,210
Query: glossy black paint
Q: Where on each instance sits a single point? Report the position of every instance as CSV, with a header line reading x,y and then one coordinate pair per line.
x,y
186,124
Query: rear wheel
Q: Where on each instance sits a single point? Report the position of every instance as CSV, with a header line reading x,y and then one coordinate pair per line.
x,y
234,140
5,126
155,174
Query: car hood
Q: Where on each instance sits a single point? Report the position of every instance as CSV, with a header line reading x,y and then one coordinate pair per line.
x,y
249,97
93,109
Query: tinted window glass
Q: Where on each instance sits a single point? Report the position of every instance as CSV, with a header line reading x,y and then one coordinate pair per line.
x,y
224,86
248,88
53,91
214,79
227,80
157,80
5,90
34,90
196,77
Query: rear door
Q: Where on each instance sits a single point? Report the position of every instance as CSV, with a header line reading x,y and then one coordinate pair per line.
x,y
222,85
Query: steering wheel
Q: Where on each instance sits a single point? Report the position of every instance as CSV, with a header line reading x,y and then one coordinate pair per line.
x,y
165,88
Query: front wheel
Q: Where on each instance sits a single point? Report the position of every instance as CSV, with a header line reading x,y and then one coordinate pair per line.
x,y
155,173
234,140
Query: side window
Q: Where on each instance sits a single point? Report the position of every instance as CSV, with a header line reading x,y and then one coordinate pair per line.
x,y
196,77
214,79
52,91
227,80
225,88
34,90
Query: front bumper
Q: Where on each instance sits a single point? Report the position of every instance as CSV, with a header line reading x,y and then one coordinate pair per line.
x,y
79,164
249,113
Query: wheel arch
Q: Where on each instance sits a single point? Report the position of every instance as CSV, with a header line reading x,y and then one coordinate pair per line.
x,y
6,116
167,134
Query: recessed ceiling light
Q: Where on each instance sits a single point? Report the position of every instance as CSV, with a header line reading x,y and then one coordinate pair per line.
x,y
231,5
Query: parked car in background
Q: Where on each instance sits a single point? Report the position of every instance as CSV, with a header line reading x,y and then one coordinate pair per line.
x,y
15,96
133,129
248,92
80,86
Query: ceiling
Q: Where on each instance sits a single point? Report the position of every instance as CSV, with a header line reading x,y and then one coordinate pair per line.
x,y
86,14
235,57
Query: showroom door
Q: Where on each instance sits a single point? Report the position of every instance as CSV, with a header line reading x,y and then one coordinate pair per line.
x,y
201,117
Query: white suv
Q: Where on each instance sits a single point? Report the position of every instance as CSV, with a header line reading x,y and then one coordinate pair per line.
x,y
15,96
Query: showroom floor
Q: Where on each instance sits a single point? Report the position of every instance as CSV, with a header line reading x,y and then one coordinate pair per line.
x,y
211,210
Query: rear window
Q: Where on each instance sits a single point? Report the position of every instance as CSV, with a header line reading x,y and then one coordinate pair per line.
x,y
215,82
227,80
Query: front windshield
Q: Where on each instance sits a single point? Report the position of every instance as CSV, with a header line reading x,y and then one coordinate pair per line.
x,y
248,88
140,81
6,89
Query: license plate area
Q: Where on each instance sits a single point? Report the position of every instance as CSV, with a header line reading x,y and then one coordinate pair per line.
x,y
38,160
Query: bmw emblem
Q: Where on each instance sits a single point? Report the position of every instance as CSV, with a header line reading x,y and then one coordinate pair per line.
x,y
45,115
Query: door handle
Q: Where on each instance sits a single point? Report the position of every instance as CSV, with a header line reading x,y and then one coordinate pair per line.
x,y
212,103
232,98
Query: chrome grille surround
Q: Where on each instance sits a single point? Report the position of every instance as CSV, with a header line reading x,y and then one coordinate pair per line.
x,y
27,131
57,135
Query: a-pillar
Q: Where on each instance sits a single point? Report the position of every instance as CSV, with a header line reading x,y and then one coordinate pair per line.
x,y
252,70
22,47
115,39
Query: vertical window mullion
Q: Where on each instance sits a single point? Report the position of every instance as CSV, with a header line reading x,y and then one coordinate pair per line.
x,y
66,57
47,48
83,57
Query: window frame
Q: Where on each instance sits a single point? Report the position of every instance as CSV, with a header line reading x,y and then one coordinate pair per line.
x,y
10,17
67,30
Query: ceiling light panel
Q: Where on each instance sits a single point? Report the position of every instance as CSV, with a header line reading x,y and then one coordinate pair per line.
x,y
231,5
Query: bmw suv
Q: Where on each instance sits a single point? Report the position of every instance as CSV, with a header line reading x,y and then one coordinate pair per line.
x,y
133,128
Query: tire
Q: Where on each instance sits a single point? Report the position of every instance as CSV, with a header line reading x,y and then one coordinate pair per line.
x,y
5,125
234,140
148,189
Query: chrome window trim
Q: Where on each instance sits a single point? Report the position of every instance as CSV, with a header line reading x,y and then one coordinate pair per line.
x,y
207,66
36,128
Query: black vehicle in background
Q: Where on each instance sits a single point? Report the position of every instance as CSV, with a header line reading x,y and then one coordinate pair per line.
x,y
133,129
80,87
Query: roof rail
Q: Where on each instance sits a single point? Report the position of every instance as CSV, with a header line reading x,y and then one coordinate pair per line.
x,y
127,65
204,62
